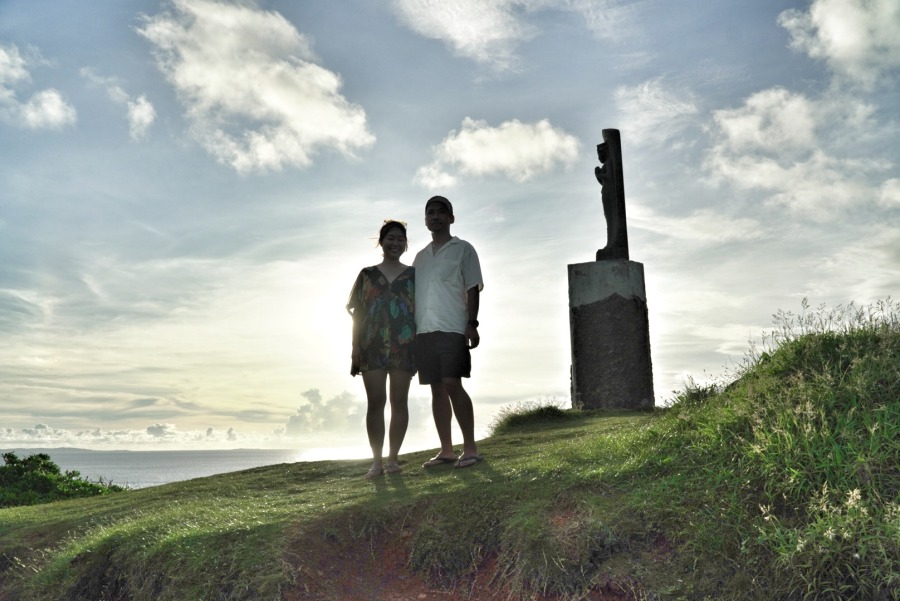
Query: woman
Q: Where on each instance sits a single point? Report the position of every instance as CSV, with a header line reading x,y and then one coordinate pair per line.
x,y
384,336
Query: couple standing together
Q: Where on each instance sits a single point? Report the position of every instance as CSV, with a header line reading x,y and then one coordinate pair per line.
x,y
421,318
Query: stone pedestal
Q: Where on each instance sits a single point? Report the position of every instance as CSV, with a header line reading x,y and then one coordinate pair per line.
x,y
610,336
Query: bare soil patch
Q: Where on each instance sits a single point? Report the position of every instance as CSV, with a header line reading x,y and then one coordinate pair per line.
x,y
379,571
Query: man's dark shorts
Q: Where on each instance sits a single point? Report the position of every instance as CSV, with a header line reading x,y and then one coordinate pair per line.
x,y
442,355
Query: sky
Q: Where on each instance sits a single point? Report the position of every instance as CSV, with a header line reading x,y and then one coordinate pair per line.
x,y
188,189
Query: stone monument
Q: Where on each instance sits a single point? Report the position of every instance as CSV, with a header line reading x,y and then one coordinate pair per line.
x,y
608,325
609,174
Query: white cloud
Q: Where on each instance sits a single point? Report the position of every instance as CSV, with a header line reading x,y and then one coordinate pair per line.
x,y
704,226
605,18
45,109
141,113
490,32
653,114
141,116
798,149
12,69
889,193
858,39
158,435
514,149
339,414
41,431
161,430
254,96
861,268
486,32
787,144
772,119
434,177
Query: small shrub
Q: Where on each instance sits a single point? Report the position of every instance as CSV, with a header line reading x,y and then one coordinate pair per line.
x,y
36,479
696,394
527,414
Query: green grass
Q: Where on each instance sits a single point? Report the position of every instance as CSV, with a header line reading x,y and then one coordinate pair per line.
x,y
782,483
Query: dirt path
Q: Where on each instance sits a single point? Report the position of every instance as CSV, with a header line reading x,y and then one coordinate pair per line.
x,y
380,573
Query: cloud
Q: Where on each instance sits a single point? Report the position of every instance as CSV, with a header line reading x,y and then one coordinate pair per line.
x,y
45,109
514,149
858,39
12,69
141,113
807,153
19,310
42,431
344,415
605,18
158,435
161,430
794,149
341,414
490,32
486,32
774,118
889,193
250,87
652,113
703,226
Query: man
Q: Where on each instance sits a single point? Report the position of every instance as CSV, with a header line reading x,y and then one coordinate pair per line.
x,y
448,284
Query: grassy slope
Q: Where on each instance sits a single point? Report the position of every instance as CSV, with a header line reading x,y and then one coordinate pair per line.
x,y
782,485
228,534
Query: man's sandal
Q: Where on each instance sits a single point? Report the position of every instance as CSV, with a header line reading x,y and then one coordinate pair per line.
x,y
468,461
435,461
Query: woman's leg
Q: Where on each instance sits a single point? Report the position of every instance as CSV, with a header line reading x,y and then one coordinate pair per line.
x,y
375,382
400,379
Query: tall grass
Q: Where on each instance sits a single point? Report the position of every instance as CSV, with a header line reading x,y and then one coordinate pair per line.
x,y
796,463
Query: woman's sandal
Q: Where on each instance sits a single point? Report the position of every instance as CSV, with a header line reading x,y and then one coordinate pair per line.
x,y
374,472
393,468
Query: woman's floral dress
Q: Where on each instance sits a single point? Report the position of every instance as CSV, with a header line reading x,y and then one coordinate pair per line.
x,y
388,330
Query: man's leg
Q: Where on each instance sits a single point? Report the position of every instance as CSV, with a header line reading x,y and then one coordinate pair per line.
x,y
429,364
443,415
465,413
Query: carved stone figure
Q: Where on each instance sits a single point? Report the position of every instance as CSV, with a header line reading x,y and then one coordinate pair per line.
x,y
609,174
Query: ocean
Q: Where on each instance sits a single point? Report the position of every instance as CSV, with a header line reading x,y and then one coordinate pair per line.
x,y
140,469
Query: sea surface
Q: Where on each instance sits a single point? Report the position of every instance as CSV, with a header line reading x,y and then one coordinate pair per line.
x,y
140,469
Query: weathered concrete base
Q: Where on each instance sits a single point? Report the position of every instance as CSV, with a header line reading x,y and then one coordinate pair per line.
x,y
610,335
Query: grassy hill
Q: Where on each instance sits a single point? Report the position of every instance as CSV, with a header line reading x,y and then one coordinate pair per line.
x,y
782,484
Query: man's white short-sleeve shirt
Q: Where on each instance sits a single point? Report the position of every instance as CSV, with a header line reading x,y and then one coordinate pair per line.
x,y
442,281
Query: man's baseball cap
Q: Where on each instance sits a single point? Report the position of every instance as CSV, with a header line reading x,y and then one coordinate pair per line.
x,y
441,200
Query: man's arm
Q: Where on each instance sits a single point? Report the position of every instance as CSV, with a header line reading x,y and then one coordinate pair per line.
x,y
473,296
